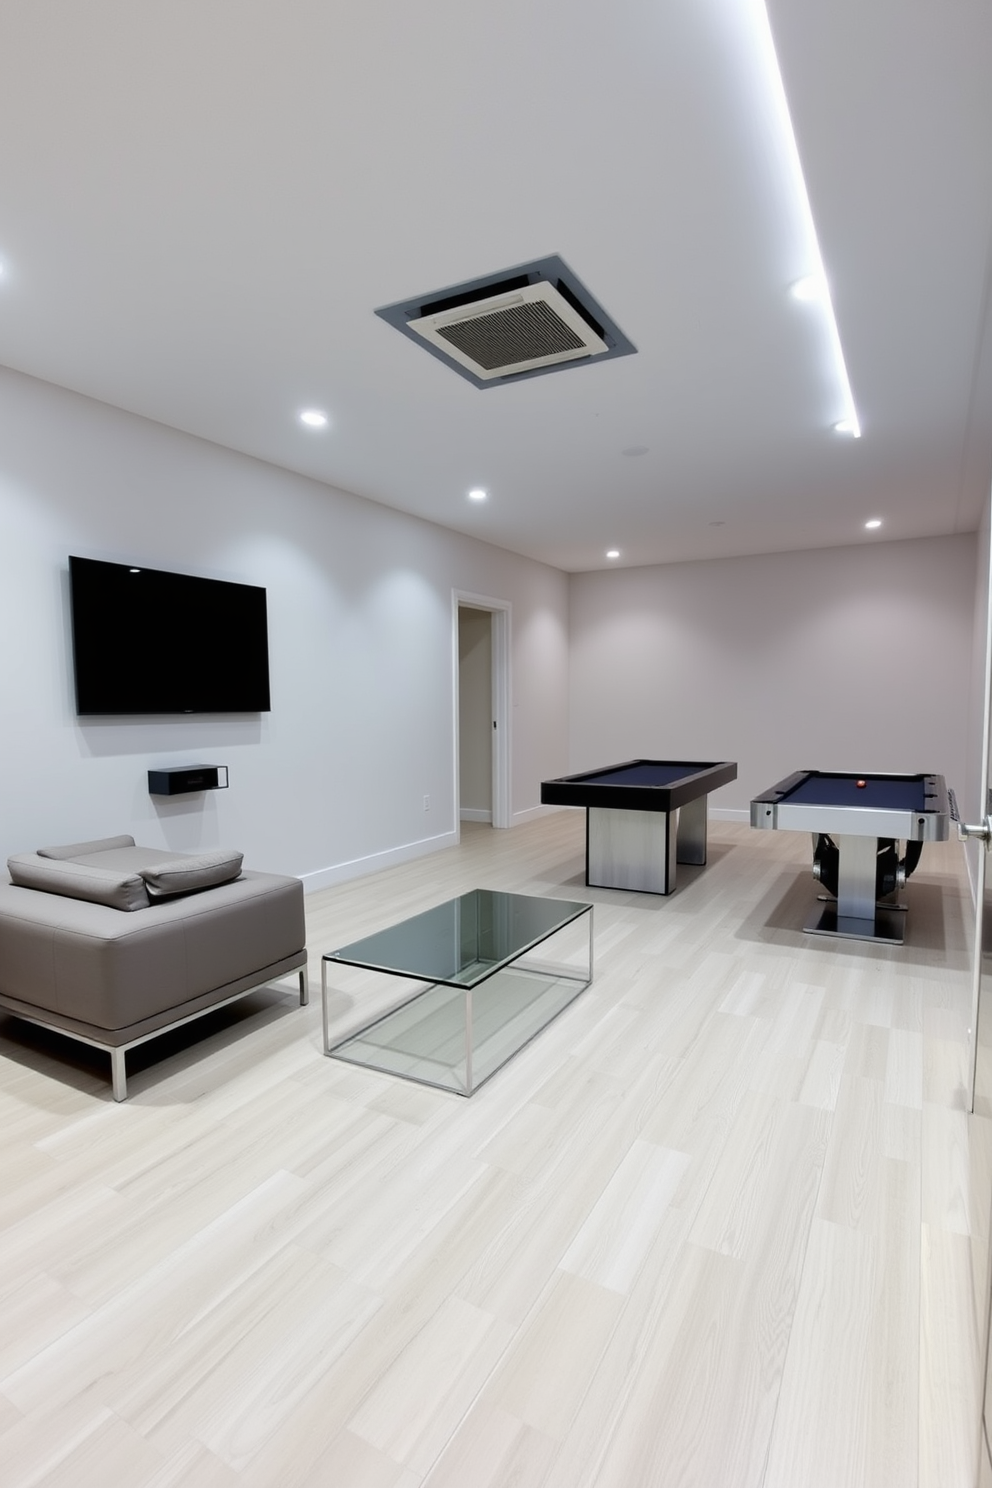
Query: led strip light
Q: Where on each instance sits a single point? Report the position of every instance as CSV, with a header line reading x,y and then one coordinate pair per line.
x,y
814,286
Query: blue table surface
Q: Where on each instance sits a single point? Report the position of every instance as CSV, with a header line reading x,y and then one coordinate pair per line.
x,y
877,794
645,772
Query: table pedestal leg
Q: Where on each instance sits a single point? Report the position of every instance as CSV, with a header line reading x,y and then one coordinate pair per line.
x,y
631,849
856,916
691,834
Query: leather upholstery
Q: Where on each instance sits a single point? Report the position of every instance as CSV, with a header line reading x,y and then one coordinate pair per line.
x,y
91,964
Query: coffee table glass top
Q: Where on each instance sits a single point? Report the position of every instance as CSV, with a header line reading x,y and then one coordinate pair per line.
x,y
464,941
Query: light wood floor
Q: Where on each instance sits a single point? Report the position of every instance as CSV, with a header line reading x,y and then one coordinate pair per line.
x,y
718,1225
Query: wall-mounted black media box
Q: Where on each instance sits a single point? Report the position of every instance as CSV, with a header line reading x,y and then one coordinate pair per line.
x,y
183,779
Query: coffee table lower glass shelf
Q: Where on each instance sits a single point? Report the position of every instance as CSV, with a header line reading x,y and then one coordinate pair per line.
x,y
498,967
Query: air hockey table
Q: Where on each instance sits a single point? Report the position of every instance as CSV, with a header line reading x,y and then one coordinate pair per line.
x,y
643,817
857,823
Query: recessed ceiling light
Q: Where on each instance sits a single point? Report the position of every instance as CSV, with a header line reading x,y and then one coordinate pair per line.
x,y
477,494
613,552
875,522
848,426
313,418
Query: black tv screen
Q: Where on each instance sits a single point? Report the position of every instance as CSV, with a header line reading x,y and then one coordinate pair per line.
x,y
146,641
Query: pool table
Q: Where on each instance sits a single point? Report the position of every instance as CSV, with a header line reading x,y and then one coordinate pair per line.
x,y
857,822
642,818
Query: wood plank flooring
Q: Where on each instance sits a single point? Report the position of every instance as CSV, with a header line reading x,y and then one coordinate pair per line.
x,y
719,1226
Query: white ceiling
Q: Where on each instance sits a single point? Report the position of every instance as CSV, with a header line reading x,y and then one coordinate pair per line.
x,y
203,202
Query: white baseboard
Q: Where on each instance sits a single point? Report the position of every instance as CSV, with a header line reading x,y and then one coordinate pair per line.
x,y
325,878
472,813
532,812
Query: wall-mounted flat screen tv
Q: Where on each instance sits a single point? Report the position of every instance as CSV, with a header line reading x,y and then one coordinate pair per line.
x,y
146,641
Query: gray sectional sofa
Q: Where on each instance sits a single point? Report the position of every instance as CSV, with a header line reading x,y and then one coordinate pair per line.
x,y
112,943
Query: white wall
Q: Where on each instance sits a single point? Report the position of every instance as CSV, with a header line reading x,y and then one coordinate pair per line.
x,y
842,658
332,781
848,658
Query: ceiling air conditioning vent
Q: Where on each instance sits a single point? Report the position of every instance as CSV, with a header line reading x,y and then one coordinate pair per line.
x,y
499,337
519,323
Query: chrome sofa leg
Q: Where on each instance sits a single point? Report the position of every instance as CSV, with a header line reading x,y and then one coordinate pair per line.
x,y
118,1074
304,987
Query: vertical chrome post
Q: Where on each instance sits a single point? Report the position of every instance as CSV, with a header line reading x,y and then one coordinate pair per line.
x,y
591,913
323,1005
468,1041
118,1074
856,874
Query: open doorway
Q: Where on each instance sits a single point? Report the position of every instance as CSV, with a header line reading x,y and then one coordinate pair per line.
x,y
475,720
482,755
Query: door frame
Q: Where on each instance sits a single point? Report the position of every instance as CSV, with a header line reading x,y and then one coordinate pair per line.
x,y
500,611
977,862
977,855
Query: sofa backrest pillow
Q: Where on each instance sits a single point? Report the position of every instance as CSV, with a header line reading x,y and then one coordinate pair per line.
x,y
188,874
80,849
79,881
129,887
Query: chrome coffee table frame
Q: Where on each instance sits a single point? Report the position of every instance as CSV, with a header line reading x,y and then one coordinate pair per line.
x,y
486,992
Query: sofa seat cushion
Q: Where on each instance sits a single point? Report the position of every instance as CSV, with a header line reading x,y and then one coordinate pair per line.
x,y
188,874
117,888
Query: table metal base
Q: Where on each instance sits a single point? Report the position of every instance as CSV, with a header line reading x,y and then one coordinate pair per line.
x,y
639,850
886,927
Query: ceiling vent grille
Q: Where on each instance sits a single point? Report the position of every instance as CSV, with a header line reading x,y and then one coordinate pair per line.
x,y
519,323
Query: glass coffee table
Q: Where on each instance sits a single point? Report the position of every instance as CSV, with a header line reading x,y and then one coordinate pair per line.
x,y
498,967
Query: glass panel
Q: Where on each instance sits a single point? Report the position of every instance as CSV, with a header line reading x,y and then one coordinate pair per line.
x,y
456,1037
463,941
515,1004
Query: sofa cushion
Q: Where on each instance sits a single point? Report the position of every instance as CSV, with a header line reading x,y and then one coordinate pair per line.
x,y
187,874
79,881
79,849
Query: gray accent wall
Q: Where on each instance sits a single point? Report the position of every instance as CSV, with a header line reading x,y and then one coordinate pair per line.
x,y
855,658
